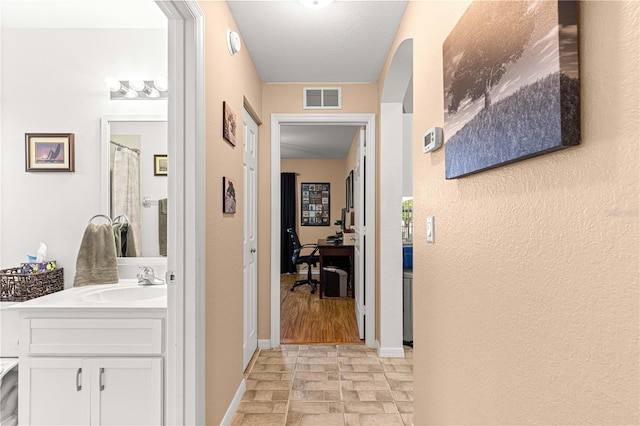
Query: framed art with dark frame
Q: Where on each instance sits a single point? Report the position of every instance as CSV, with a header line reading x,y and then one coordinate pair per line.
x,y
160,165
350,191
49,152
228,195
315,204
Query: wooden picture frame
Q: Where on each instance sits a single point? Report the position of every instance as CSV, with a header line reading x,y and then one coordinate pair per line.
x,y
315,205
228,195
229,125
350,191
160,165
49,152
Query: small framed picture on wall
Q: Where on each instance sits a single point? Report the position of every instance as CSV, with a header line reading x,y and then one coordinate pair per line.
x,y
49,152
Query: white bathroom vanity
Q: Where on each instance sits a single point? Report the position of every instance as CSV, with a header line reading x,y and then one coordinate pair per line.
x,y
93,355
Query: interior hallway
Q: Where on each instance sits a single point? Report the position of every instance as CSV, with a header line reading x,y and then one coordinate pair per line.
x,y
327,385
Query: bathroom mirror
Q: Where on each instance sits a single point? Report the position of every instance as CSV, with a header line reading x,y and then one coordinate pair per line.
x,y
134,182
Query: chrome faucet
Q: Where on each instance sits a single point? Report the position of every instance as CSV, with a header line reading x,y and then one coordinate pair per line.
x,y
146,276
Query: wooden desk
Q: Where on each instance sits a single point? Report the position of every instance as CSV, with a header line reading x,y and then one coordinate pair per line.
x,y
330,249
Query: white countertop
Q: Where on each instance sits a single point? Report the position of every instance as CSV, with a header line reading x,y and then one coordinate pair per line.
x,y
101,296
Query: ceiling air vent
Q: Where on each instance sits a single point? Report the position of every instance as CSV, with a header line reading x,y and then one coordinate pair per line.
x,y
322,98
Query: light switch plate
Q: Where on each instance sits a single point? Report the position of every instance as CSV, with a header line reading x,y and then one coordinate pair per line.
x,y
430,230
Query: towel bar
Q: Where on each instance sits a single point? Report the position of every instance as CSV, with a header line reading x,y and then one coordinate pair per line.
x,y
102,216
121,216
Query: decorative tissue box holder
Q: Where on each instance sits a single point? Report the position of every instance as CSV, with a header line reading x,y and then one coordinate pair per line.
x,y
33,267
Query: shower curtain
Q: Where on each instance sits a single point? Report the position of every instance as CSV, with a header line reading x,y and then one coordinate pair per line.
x,y
125,190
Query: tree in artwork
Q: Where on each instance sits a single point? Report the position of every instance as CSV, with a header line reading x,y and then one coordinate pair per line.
x,y
494,37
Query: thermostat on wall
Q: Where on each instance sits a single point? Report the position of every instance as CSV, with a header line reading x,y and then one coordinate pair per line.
x,y
432,139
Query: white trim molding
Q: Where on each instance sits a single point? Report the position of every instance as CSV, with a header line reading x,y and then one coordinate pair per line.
x,y
235,402
369,122
185,370
264,343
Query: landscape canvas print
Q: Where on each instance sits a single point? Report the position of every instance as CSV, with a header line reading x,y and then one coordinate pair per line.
x,y
511,84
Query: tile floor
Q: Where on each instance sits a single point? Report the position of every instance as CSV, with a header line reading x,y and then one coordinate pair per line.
x,y
327,385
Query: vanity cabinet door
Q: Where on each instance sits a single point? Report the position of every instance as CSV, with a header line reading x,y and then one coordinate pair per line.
x,y
54,391
126,391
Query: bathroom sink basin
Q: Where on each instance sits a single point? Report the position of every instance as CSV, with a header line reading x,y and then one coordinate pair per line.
x,y
127,294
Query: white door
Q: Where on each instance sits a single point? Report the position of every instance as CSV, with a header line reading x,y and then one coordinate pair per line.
x,y
250,227
126,391
360,234
54,391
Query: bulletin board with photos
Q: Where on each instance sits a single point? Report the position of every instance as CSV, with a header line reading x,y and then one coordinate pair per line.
x,y
315,204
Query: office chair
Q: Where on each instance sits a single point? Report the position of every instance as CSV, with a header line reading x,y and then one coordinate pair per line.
x,y
298,259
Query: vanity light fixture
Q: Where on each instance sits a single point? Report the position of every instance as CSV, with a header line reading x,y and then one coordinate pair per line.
x,y
233,42
315,4
137,89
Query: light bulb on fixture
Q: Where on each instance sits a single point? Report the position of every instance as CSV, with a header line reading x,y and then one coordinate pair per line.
x,y
137,88
315,4
115,85
160,83
142,86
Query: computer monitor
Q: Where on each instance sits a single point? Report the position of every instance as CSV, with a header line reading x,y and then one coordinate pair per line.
x,y
343,219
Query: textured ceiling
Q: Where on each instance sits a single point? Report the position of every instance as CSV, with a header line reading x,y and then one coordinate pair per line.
x,y
347,41
316,141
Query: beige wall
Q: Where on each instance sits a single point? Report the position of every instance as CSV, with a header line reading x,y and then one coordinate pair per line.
x,y
318,171
287,99
230,79
526,307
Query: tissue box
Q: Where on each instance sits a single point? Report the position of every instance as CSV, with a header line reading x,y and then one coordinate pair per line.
x,y
35,267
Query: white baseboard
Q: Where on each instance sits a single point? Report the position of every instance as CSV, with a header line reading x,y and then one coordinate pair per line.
x,y
264,343
231,411
391,352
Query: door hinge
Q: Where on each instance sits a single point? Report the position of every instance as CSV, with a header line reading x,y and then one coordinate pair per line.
x,y
170,277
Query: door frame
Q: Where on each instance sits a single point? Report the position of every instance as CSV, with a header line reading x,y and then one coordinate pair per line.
x,y
369,122
184,396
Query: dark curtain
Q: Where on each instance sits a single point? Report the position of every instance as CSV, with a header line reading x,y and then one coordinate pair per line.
x,y
287,220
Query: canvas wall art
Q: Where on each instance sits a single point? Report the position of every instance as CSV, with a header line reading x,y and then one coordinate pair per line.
x,y
511,84
228,124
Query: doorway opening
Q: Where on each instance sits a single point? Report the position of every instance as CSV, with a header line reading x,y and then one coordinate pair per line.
x,y
367,121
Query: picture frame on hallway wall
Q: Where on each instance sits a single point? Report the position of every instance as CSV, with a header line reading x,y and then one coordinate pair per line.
x,y
229,124
228,195
49,152
350,203
315,205
160,165
521,100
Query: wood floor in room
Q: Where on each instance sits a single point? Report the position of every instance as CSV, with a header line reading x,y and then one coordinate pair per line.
x,y
307,319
